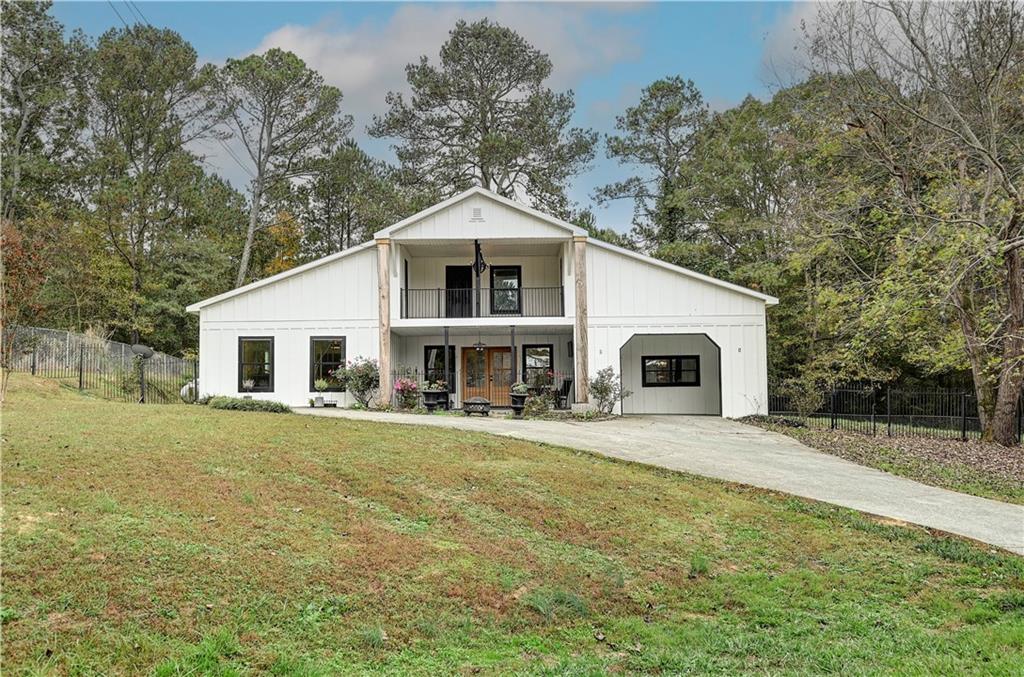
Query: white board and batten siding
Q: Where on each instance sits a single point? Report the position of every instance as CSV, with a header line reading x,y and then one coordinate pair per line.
x,y
627,296
478,217
338,298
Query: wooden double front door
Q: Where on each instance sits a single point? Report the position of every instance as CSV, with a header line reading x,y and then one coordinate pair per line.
x,y
487,373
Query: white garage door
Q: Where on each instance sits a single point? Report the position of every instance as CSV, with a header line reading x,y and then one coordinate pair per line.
x,y
671,374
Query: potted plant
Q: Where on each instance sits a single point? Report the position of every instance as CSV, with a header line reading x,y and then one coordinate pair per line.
x,y
247,386
320,385
520,391
435,394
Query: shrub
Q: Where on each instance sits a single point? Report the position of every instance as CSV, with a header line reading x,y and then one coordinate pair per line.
x,y
408,393
360,377
520,388
805,394
607,389
242,404
538,405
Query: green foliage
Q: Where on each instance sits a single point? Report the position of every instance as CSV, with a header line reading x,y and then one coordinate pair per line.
x,y
484,117
360,377
538,406
607,389
242,404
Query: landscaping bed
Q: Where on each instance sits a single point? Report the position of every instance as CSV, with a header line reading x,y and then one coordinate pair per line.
x,y
185,540
972,466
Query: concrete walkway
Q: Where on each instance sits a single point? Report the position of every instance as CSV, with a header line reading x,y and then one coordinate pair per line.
x,y
735,452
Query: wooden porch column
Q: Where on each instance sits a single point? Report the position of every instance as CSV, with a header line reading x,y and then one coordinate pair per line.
x,y
384,317
580,339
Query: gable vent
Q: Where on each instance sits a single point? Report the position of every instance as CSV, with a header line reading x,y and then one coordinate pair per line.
x,y
478,215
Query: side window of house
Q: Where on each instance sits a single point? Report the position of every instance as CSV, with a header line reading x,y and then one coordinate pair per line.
x,y
671,371
256,364
433,362
326,353
538,364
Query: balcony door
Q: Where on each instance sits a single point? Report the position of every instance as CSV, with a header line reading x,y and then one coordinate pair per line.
x,y
458,294
488,374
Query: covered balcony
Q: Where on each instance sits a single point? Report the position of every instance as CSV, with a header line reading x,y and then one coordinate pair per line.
x,y
445,280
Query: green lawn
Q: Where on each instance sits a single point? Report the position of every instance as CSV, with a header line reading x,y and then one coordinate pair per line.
x,y
180,540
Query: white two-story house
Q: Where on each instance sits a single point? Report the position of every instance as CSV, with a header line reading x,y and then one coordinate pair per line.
x,y
481,291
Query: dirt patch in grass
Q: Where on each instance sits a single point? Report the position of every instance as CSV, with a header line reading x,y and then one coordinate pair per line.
x,y
973,467
182,540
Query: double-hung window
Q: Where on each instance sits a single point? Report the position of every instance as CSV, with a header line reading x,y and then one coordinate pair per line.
x,y
666,371
256,364
434,366
326,353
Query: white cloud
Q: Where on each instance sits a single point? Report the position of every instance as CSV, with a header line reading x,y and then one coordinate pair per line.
x,y
785,59
368,59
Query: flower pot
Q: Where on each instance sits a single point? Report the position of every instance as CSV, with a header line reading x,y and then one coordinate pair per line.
x,y
518,403
432,399
318,401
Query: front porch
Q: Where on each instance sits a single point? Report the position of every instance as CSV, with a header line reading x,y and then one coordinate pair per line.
x,y
485,361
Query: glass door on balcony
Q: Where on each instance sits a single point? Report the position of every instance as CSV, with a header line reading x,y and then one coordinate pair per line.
x,y
458,282
487,373
505,284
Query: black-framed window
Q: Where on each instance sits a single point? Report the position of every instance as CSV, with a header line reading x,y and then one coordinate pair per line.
x,y
326,353
538,363
505,295
668,371
256,364
433,363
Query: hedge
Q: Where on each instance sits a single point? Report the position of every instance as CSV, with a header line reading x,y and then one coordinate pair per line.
x,y
241,404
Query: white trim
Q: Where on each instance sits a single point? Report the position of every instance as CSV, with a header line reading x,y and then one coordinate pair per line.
x,y
477,190
768,300
199,305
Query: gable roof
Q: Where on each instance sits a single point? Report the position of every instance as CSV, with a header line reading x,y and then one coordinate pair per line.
x,y
769,300
477,190
237,291
418,216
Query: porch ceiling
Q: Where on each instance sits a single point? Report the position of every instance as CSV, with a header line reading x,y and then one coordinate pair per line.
x,y
486,330
507,247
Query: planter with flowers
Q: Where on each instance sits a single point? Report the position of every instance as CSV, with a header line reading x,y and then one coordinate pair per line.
x,y
320,385
520,391
435,394
407,392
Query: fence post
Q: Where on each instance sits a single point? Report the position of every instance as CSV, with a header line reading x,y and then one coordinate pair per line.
x,y
81,370
33,368
963,416
142,381
832,407
873,403
888,411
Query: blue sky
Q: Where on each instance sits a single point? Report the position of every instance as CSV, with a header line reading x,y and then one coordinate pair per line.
x,y
604,52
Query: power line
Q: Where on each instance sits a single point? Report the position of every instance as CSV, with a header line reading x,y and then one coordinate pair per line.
x,y
117,13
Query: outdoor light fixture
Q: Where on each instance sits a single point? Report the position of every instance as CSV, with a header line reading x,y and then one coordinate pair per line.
x,y
479,345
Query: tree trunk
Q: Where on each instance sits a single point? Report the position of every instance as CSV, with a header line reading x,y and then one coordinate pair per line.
x,y
1011,377
250,232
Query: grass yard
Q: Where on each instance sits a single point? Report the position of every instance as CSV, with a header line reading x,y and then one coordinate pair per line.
x,y
971,467
180,540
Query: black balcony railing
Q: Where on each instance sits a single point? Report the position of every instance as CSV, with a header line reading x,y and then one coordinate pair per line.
x,y
449,303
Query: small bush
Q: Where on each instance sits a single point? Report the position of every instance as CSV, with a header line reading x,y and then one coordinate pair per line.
x,y
360,377
607,389
538,406
241,404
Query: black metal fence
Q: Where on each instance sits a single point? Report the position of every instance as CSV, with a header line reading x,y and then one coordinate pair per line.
x,y
521,302
494,387
949,414
105,368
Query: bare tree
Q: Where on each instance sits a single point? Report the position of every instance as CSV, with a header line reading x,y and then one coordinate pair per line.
x,y
933,94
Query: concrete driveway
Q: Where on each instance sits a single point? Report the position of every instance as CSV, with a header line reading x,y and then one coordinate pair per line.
x,y
727,450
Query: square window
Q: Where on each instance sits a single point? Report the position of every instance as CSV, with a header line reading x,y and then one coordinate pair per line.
x,y
538,364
